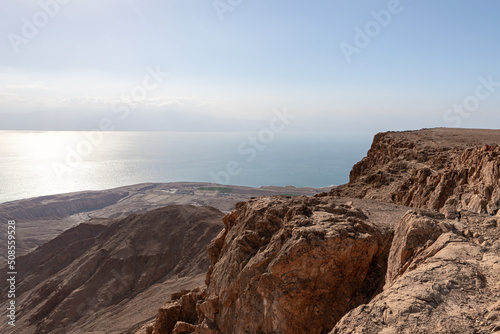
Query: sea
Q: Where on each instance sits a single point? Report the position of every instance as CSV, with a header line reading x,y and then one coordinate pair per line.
x,y
36,164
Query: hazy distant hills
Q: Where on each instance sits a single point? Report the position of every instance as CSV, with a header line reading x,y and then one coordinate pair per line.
x,y
136,120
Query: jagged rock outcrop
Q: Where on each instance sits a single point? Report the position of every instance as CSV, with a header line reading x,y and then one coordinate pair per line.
x,y
288,265
178,315
416,231
448,170
93,277
441,279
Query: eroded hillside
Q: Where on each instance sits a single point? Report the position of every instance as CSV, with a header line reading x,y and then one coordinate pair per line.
x,y
317,265
92,276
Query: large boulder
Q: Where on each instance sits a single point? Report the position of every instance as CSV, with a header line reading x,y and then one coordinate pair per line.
x,y
290,265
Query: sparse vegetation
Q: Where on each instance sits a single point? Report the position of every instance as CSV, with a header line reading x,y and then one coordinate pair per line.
x,y
221,189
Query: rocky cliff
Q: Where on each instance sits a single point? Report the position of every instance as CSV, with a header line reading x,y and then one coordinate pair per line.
x,y
448,170
417,251
288,265
441,278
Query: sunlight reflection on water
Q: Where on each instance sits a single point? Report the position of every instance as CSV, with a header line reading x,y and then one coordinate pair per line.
x,y
42,163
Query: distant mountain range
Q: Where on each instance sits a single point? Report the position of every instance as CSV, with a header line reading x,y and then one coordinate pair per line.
x,y
135,120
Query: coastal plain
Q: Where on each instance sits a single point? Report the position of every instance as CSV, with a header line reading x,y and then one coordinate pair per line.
x,y
41,219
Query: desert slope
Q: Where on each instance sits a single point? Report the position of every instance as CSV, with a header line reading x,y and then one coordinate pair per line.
x,y
90,277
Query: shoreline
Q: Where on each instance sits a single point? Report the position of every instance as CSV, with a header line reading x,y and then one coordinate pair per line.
x,y
325,188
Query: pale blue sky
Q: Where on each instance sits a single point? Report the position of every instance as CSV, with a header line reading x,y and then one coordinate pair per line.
x,y
88,56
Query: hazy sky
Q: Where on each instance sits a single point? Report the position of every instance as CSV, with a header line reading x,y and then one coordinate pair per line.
x,y
337,65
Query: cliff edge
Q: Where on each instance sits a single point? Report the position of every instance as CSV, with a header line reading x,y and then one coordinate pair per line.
x,y
409,245
447,170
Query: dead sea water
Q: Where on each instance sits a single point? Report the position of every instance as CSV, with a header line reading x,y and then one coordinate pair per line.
x,y
44,163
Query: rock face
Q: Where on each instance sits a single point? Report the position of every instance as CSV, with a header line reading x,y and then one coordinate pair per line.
x,y
416,231
88,277
287,265
447,170
438,281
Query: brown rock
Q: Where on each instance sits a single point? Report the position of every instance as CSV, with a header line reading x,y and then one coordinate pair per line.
x,y
416,231
205,329
178,295
446,289
182,310
290,266
167,317
146,329
183,328
442,169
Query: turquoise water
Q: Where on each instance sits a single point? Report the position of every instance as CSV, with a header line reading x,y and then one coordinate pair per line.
x,y
44,163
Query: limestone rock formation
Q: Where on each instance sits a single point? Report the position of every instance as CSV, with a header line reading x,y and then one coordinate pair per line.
x,y
448,170
288,265
438,281
332,264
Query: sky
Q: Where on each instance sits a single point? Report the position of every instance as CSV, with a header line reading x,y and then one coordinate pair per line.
x,y
226,65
